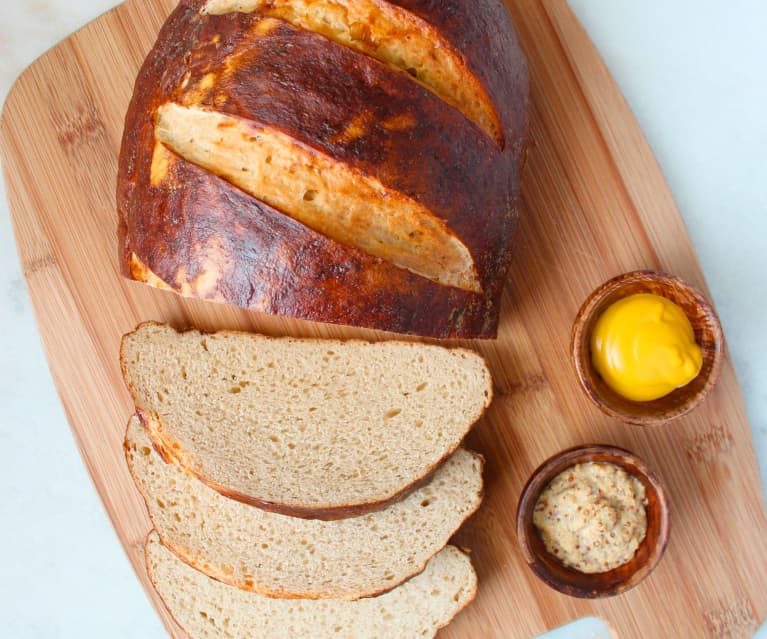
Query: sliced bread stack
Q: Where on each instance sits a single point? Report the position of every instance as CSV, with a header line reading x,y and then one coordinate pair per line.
x,y
304,487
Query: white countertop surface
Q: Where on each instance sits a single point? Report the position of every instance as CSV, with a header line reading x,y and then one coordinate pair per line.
x,y
694,73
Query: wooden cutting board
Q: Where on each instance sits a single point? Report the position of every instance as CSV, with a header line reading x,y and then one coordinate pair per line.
x,y
595,205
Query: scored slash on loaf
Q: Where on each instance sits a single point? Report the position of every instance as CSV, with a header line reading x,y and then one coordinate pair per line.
x,y
390,34
315,190
312,428
282,556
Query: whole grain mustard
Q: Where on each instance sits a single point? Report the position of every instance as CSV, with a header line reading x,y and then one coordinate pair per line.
x,y
592,517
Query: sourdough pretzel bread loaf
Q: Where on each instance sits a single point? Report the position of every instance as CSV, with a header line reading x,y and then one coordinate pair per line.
x,y
344,161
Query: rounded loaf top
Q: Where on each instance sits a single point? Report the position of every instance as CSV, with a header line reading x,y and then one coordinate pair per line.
x,y
345,162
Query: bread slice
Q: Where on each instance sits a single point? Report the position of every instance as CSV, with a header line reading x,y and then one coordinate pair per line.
x,y
208,609
312,428
282,556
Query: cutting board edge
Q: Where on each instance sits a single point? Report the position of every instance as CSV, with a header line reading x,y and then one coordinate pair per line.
x,y
29,70
17,88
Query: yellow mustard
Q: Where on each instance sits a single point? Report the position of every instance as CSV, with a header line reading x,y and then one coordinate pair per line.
x,y
644,347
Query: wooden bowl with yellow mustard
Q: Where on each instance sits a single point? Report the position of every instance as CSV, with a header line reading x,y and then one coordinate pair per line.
x,y
685,363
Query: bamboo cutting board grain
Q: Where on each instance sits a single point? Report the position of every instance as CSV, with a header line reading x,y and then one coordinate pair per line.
x,y
595,205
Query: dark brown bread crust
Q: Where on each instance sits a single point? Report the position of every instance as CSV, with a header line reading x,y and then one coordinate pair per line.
x,y
312,89
483,32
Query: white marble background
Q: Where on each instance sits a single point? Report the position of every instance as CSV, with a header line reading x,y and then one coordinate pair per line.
x,y
694,73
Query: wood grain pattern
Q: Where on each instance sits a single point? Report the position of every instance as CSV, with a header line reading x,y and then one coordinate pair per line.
x,y
595,205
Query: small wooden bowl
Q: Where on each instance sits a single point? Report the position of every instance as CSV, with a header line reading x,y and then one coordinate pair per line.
x,y
591,586
708,335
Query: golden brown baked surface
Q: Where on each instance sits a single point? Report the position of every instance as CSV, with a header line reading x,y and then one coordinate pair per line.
x,y
210,207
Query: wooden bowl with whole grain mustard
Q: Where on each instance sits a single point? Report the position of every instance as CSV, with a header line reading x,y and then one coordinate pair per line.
x,y
707,335
590,495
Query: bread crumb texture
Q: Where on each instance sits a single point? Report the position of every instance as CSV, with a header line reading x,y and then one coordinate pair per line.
x,y
277,555
208,609
304,423
392,35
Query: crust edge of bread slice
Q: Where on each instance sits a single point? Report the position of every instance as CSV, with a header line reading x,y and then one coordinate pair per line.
x,y
171,450
171,453
153,539
210,571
